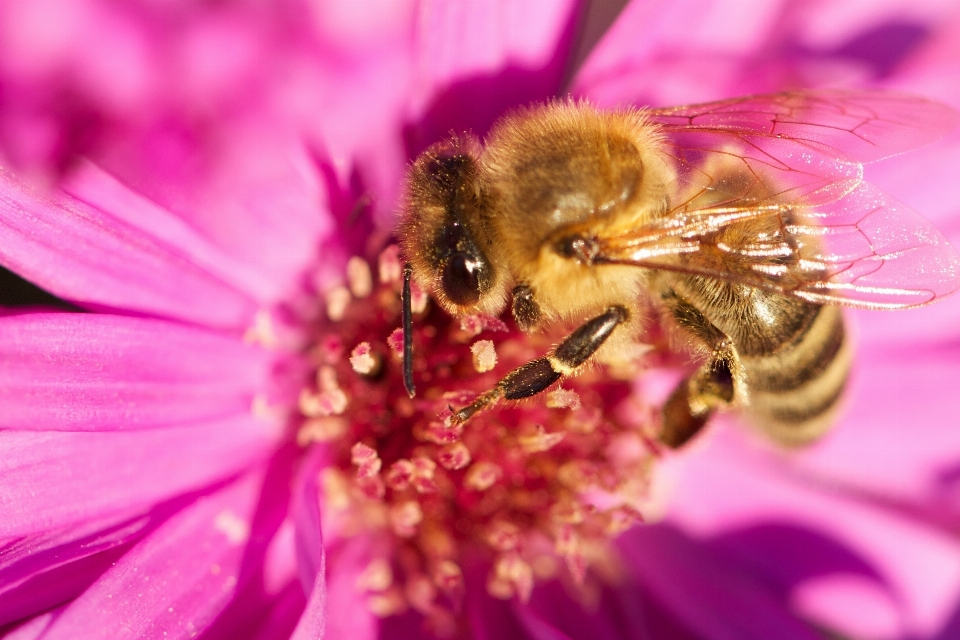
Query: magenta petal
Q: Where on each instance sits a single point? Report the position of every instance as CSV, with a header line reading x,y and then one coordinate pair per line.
x,y
146,263
676,53
899,437
43,570
310,552
91,372
476,61
624,611
252,215
33,628
52,479
176,581
712,597
726,486
268,595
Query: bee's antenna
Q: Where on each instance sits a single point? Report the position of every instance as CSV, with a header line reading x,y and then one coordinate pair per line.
x,y
407,333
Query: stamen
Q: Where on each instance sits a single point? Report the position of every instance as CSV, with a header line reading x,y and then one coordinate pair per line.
x,y
535,488
454,456
388,603
321,429
474,325
390,268
262,332
484,355
359,277
364,360
539,440
482,476
405,517
563,399
338,299
376,577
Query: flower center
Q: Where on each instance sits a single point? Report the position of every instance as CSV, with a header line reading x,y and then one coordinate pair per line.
x,y
534,490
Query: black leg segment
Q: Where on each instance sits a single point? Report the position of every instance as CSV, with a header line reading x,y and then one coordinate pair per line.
x,y
584,342
407,333
535,376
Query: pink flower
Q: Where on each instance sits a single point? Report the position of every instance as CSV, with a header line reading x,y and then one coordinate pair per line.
x,y
197,179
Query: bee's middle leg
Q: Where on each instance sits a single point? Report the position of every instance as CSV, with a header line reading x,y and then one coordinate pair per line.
x,y
535,376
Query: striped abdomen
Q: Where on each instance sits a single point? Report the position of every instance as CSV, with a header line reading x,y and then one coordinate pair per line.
x,y
795,356
795,389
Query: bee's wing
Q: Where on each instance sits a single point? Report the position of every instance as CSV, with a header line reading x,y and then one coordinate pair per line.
x,y
810,144
795,156
851,125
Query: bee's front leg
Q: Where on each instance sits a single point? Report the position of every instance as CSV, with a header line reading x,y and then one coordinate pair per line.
x,y
535,376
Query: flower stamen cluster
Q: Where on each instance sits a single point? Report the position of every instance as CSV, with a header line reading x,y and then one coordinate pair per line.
x,y
531,490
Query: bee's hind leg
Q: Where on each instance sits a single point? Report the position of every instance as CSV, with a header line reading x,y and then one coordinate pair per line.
x,y
716,384
567,357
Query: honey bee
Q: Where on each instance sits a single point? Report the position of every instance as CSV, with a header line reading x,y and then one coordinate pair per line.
x,y
745,222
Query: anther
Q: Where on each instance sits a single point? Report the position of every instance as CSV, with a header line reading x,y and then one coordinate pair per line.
x,y
454,456
484,355
359,277
482,475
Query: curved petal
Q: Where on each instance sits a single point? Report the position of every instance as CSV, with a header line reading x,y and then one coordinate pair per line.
x,y
348,614
53,479
726,485
176,581
898,438
675,53
247,209
620,610
266,575
81,253
707,593
93,372
44,570
473,62
311,557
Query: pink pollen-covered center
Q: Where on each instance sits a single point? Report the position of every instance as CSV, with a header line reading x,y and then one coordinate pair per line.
x,y
531,490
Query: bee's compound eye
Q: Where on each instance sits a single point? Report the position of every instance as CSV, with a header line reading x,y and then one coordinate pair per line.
x,y
461,279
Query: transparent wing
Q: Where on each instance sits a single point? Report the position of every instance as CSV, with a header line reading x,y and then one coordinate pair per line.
x,y
770,193
865,250
850,125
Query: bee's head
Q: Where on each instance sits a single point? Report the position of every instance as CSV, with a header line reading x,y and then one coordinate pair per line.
x,y
444,235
